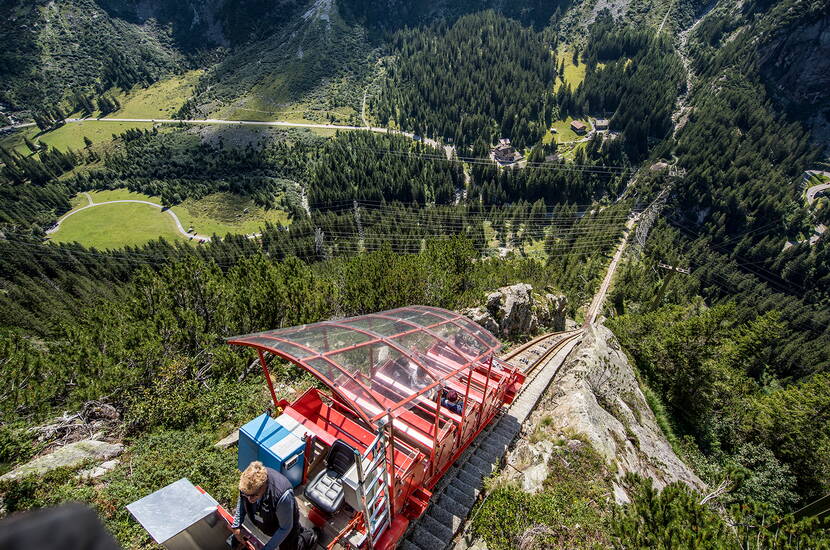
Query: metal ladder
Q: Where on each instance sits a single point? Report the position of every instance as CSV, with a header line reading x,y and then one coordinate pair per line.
x,y
373,488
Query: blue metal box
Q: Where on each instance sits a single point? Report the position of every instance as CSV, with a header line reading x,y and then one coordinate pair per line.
x,y
267,440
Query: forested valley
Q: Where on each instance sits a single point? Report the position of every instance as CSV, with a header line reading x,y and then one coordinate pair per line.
x,y
732,349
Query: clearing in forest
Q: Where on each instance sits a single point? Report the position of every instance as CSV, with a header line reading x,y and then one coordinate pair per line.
x,y
574,74
226,213
71,135
161,100
564,134
111,226
115,226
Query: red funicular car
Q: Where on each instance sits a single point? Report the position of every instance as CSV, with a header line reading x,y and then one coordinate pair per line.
x,y
407,391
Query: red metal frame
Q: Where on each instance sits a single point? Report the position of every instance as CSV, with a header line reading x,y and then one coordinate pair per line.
x,y
424,441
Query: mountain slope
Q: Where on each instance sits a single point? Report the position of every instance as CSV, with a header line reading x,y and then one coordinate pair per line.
x,y
52,49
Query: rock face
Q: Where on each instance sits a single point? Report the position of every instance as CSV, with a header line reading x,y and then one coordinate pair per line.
x,y
228,441
100,470
597,395
68,456
517,310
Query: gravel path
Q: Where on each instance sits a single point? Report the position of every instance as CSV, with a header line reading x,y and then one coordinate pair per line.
x,y
181,229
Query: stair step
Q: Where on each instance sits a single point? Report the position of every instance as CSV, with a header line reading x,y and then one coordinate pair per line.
x,y
493,447
509,429
465,487
426,540
468,478
458,509
481,464
464,498
445,516
440,530
409,545
471,470
501,439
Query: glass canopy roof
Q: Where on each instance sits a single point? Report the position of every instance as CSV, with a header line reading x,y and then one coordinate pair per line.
x,y
384,363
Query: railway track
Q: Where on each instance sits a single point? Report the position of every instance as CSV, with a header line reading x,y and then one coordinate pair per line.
x,y
529,355
457,492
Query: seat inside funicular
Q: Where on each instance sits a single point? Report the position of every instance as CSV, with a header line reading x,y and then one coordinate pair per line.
x,y
325,491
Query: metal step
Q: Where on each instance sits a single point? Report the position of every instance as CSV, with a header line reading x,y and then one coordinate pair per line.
x,y
465,499
437,528
425,539
457,492
468,478
445,516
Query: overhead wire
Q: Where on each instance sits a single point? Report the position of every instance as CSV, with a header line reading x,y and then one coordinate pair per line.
x,y
769,276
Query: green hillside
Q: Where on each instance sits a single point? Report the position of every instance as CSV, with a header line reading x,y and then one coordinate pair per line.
x,y
692,197
54,49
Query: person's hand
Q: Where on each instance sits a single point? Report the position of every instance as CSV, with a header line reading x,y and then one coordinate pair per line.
x,y
238,534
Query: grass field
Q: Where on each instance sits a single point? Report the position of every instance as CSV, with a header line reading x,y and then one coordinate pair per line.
x,y
568,152
120,195
114,226
161,100
224,213
71,135
563,132
817,179
124,224
574,74
252,107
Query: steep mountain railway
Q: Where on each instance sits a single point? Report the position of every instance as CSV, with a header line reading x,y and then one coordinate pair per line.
x,y
531,354
418,409
455,496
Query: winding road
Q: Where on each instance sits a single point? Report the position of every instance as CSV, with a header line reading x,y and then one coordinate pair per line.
x,y
448,149
201,238
815,189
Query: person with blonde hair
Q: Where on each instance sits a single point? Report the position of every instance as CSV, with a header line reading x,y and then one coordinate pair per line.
x,y
266,499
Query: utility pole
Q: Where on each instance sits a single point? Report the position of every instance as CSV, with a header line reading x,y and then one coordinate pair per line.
x,y
318,244
361,237
658,297
650,214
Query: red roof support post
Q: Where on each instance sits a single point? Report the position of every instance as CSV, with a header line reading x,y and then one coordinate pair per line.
x,y
486,383
465,404
267,376
438,392
390,465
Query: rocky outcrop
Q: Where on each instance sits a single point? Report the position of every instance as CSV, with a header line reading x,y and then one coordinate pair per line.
x,y
517,310
70,456
596,397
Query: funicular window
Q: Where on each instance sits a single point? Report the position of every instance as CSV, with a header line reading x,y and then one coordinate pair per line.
x,y
421,318
321,338
426,344
460,339
476,330
379,325
444,314
284,347
347,386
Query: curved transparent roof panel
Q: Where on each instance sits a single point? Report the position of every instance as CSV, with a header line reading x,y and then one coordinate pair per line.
x,y
383,363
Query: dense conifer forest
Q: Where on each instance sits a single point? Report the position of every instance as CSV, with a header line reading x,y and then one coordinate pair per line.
x,y
484,76
733,355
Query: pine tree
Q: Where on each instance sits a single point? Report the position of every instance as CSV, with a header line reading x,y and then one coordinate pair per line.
x,y
32,147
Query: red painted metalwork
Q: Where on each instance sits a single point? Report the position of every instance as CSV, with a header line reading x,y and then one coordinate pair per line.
x,y
267,376
228,517
309,447
387,371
